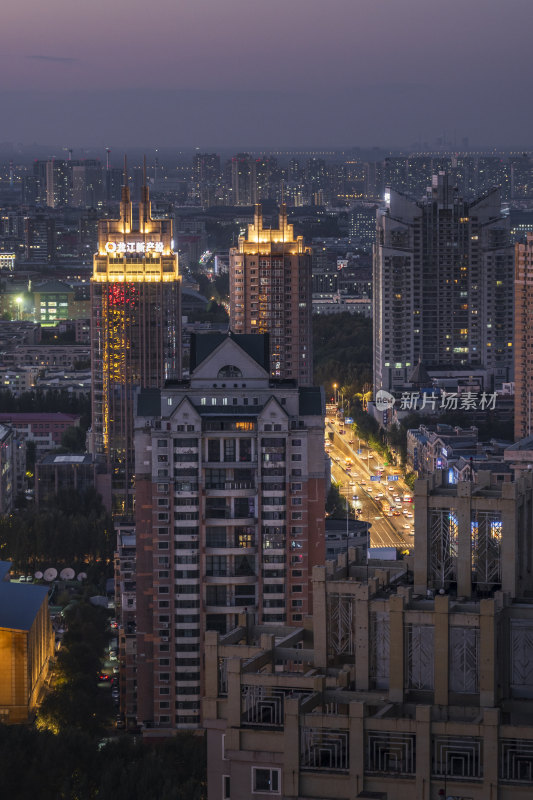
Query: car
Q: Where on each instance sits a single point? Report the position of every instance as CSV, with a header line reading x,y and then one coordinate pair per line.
x,y
104,676
352,483
408,527
380,494
350,441
362,483
22,579
409,514
395,512
368,489
29,578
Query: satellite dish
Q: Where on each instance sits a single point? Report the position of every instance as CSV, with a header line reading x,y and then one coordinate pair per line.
x,y
82,576
38,576
67,574
50,574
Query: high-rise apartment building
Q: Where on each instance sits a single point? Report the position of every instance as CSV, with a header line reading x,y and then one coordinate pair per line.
x,y
58,183
442,287
523,342
243,180
135,330
230,478
270,292
39,238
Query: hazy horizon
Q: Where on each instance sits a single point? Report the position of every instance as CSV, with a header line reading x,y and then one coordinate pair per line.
x,y
294,73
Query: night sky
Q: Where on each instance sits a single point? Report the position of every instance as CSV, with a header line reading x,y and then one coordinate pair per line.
x,y
244,73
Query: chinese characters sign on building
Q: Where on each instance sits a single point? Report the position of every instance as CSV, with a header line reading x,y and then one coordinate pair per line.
x,y
437,401
134,247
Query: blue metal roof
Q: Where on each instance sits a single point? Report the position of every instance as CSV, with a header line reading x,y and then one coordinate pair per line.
x,y
19,602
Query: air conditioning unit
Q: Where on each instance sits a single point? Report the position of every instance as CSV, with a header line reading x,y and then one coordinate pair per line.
x,y
164,638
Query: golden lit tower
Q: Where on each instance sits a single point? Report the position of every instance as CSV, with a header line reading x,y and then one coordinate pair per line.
x,y
135,329
270,292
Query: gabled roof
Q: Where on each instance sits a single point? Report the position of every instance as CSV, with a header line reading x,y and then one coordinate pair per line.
x,y
312,401
149,403
255,345
52,287
420,376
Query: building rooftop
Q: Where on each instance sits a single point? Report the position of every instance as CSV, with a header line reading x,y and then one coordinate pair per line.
x,y
36,416
255,345
312,402
19,603
66,458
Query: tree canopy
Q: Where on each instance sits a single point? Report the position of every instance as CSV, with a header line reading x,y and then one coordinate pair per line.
x,y
342,345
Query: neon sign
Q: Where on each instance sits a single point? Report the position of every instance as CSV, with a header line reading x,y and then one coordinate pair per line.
x,y
134,247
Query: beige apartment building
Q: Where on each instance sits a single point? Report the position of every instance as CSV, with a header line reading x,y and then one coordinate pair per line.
x,y
270,292
413,680
230,494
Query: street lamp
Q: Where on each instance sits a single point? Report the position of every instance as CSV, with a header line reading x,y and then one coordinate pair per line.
x,y
335,392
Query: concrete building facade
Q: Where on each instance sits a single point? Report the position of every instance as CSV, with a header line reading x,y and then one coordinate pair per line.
x,y
442,287
26,647
270,292
523,361
230,494
393,689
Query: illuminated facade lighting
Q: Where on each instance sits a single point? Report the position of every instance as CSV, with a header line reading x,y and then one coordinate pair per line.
x,y
135,331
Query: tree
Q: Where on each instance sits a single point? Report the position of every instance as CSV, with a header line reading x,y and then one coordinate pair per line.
x,y
73,439
336,504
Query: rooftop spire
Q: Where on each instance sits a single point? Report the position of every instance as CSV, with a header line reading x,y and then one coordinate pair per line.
x,y
125,203
144,205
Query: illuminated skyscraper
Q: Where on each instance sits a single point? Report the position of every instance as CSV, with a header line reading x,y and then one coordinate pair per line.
x,y
135,330
270,292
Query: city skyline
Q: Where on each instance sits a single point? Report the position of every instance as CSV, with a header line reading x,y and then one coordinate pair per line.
x,y
337,73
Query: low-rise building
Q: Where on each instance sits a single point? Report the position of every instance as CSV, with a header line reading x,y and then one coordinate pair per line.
x,y
26,646
43,428
64,472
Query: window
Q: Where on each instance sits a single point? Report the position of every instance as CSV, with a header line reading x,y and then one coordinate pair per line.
x,y
296,515
266,780
226,786
296,457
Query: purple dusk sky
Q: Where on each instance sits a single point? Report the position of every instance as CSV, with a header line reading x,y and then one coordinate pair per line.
x,y
217,73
